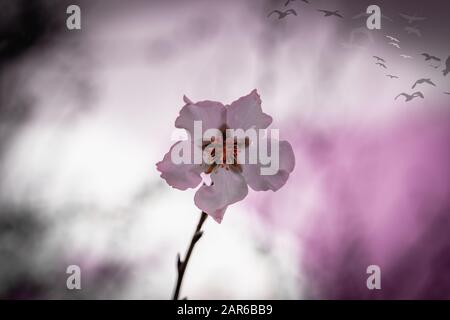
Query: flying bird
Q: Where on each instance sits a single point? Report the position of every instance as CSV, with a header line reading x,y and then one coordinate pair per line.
x,y
289,1
360,15
447,67
391,76
394,44
409,97
447,93
283,14
381,65
405,56
430,57
420,81
411,19
413,30
328,13
392,38
365,15
379,59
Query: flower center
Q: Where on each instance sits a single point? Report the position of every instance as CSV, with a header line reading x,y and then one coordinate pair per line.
x,y
224,155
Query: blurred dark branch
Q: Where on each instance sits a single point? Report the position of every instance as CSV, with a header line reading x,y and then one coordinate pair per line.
x,y
181,265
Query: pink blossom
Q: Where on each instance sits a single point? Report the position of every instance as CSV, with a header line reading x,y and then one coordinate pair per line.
x,y
229,179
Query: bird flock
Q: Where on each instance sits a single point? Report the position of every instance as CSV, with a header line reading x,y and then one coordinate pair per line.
x,y
411,28
283,14
427,57
395,42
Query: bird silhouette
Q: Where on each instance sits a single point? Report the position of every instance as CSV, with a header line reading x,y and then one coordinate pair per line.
x,y
283,14
409,97
430,57
289,1
405,56
411,19
365,15
392,38
420,81
328,13
379,59
394,44
413,30
447,66
391,76
447,92
381,65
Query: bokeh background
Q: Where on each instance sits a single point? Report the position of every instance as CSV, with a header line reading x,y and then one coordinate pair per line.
x,y
85,115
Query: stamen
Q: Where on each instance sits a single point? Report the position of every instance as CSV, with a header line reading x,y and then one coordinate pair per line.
x,y
229,156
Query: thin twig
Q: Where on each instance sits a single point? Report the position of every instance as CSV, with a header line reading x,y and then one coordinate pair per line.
x,y
181,265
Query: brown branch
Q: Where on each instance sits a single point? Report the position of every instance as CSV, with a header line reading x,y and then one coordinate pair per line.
x,y
181,265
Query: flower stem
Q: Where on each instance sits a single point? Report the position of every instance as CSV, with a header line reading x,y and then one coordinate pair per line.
x,y
181,265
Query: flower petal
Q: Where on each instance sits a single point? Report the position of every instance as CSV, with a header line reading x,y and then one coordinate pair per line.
x,y
227,188
181,176
246,112
259,182
218,214
211,113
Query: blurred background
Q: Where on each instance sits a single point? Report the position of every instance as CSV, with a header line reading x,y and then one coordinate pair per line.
x,y
85,115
